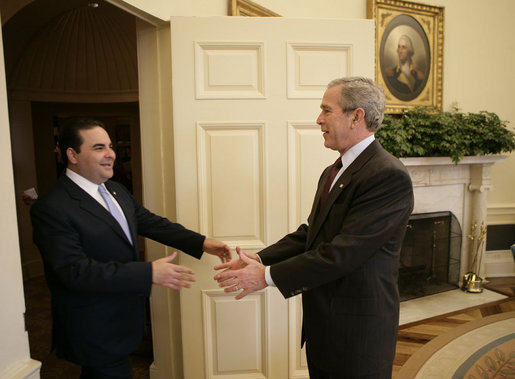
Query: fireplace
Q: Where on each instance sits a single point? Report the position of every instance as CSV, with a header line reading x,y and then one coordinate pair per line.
x,y
430,255
441,185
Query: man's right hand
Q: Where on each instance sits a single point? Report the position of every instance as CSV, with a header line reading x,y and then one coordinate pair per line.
x,y
166,274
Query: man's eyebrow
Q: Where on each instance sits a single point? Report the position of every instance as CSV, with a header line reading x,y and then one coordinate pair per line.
x,y
325,107
99,145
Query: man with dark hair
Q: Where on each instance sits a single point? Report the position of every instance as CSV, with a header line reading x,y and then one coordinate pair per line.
x,y
86,228
345,261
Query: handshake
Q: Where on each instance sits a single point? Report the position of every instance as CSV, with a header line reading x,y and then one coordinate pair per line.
x,y
245,274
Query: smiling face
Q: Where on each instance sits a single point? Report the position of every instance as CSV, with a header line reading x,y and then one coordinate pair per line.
x,y
96,158
337,125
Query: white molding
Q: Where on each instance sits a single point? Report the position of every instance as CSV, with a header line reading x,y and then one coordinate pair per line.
x,y
447,161
254,133
312,65
28,369
215,80
221,349
303,137
501,214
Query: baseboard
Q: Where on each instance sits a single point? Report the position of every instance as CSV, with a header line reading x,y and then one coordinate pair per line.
x,y
499,263
28,369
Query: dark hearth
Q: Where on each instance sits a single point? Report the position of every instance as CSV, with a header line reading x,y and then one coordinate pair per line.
x,y
430,255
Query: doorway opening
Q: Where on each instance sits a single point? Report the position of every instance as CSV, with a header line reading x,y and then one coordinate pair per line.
x,y
67,59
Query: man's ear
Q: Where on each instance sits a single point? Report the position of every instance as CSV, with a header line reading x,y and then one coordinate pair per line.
x,y
71,155
359,115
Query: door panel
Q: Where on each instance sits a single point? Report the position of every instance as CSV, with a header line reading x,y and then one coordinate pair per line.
x,y
248,155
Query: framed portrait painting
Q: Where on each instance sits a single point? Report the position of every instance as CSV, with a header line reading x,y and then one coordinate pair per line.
x,y
409,53
249,8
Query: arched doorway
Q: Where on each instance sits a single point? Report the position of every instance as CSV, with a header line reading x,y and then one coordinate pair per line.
x,y
66,58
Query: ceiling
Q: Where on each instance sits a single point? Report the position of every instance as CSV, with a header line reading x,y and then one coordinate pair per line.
x,y
69,46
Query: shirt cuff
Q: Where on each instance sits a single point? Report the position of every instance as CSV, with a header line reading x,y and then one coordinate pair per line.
x,y
268,277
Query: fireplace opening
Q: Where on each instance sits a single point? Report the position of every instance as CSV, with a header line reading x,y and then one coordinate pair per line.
x,y
430,255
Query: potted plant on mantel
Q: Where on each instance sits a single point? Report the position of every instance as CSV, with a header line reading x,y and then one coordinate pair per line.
x,y
428,132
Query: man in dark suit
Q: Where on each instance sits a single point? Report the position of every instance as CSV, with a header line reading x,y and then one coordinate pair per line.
x,y
345,261
88,240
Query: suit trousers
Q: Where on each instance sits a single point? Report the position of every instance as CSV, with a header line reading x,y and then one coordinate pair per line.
x,y
320,373
121,369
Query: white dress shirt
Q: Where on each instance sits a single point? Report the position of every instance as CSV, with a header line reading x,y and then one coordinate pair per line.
x,y
92,189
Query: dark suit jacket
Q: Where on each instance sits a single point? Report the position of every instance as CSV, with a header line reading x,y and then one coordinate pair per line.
x,y
97,284
345,264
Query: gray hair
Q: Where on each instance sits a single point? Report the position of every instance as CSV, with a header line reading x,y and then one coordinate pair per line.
x,y
358,92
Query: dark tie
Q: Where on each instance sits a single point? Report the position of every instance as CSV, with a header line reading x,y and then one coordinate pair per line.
x,y
337,165
115,212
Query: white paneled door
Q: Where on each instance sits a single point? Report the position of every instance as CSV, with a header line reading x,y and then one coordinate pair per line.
x,y
248,155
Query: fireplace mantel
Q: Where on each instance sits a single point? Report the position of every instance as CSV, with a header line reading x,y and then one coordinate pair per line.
x,y
442,185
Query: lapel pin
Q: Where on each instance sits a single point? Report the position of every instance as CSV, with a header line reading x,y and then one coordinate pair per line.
x,y
114,193
341,185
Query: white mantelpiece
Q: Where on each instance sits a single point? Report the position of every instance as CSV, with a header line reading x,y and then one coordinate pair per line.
x,y
442,185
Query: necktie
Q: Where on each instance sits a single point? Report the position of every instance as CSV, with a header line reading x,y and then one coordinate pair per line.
x,y
115,212
337,165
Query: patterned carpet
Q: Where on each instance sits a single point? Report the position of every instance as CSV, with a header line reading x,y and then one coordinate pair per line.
x,y
479,349
414,336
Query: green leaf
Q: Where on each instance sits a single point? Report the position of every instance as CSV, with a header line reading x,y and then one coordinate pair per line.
x,y
429,132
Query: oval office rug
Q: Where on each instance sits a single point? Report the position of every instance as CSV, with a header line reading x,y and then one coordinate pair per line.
x,y
479,349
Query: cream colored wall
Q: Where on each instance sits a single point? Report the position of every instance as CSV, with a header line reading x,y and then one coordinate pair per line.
x,y
478,75
478,68
14,349
478,55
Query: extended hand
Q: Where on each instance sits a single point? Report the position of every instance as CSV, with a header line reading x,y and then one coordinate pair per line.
x,y
236,264
217,248
246,274
166,274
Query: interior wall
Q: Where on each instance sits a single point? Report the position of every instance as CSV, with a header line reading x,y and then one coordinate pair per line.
x,y
478,75
477,58
14,349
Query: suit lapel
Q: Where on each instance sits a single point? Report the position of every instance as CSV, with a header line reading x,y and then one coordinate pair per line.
x,y
339,186
92,206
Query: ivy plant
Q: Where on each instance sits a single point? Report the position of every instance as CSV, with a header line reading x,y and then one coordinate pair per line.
x,y
428,132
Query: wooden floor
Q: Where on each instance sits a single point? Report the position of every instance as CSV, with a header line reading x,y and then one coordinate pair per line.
x,y
413,336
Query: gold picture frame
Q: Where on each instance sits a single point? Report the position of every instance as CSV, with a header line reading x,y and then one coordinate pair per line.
x,y
249,9
409,53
